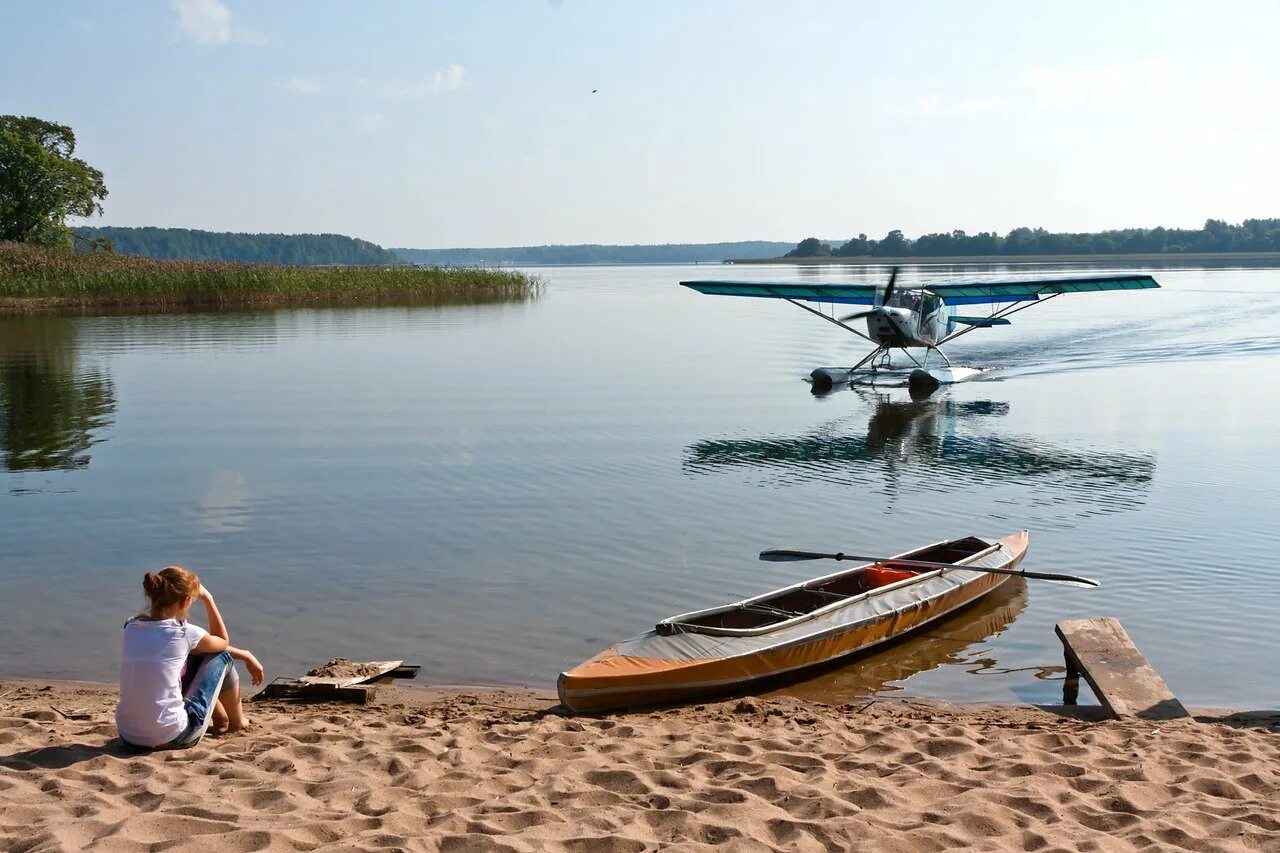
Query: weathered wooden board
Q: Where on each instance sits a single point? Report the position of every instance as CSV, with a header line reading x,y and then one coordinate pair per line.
x,y
355,688
1124,682
374,669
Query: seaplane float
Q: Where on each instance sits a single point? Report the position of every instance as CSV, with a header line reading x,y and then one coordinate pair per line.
x,y
916,317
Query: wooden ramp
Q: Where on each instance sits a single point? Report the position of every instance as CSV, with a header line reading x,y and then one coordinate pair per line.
x,y
1125,684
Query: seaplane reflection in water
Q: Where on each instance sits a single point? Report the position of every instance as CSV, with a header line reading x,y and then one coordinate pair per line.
x,y
950,444
917,317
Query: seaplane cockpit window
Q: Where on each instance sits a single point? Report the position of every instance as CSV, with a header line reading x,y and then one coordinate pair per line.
x,y
905,299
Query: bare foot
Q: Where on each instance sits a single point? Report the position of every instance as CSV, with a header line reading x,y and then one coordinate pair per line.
x,y
244,724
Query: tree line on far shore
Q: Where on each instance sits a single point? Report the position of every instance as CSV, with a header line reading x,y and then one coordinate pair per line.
x,y
670,253
191,244
1252,235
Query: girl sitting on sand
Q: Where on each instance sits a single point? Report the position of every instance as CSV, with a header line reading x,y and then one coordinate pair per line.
x,y
178,680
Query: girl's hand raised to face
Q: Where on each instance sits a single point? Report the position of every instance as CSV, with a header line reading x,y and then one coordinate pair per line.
x,y
203,593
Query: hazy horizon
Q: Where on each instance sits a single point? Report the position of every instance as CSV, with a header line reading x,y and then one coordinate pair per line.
x,y
477,126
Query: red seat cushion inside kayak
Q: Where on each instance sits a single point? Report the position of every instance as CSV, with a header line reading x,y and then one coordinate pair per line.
x,y
878,576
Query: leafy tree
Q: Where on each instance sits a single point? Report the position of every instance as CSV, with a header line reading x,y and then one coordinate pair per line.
x,y
983,243
41,183
1101,244
809,247
894,245
856,247
939,244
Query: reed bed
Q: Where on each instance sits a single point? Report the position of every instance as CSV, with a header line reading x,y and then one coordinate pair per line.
x,y
38,278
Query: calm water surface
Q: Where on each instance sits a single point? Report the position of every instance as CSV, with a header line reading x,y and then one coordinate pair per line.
x,y
497,492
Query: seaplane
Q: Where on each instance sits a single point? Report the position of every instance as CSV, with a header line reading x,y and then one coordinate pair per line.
x,y
915,317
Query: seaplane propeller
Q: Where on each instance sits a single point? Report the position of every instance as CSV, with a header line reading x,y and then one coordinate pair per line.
x,y
884,300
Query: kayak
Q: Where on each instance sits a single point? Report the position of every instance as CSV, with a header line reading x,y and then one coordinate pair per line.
x,y
805,624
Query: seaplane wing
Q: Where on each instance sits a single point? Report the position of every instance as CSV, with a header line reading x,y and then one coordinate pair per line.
x,y
955,293
1029,290
851,294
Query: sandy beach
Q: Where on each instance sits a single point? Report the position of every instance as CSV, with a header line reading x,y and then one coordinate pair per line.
x,y
458,769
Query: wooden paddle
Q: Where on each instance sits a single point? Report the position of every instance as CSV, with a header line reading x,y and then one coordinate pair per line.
x,y
780,555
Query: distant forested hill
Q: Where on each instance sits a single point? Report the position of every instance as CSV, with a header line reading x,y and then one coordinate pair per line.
x,y
1252,235
292,249
672,253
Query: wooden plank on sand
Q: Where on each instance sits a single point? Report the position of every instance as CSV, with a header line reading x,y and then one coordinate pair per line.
x,y
1124,682
344,673
339,680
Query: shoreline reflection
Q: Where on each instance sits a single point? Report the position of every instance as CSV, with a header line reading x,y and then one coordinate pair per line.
x,y
53,405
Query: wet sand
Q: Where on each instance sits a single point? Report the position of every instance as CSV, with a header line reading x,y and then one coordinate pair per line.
x,y
459,769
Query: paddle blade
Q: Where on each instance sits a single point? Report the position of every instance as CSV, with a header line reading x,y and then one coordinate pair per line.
x,y
1065,580
782,555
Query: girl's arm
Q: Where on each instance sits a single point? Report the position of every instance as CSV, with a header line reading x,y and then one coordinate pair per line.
x,y
210,645
217,627
256,673
218,639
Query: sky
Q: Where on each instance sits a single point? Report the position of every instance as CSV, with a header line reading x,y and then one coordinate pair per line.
x,y
425,125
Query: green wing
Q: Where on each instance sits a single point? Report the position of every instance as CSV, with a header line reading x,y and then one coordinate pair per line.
x,y
853,294
972,292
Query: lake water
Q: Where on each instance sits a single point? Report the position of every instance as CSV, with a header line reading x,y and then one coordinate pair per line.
x,y
497,492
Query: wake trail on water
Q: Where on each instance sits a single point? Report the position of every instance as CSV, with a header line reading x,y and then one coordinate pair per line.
x,y
1245,329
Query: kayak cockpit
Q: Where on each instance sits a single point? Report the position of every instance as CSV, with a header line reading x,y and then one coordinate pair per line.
x,y
787,606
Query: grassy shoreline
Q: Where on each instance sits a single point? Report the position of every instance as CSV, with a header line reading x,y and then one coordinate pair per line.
x,y
37,279
1181,257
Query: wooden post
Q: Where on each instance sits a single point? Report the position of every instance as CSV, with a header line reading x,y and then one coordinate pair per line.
x,y
1070,684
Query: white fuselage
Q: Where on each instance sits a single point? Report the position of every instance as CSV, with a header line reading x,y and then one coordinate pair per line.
x,y
911,319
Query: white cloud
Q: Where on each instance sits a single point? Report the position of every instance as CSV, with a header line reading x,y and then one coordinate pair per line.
x,y
249,37
931,105
304,85
208,22
371,123
448,80
1157,86
1151,89
204,21
1195,110
1109,86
